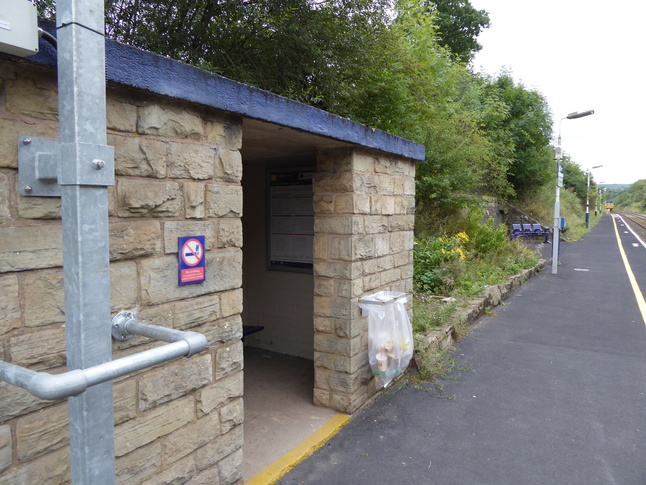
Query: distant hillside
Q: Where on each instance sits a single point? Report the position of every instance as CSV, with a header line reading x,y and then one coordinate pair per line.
x,y
615,187
634,197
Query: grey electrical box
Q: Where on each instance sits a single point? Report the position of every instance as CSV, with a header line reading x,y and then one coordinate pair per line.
x,y
18,28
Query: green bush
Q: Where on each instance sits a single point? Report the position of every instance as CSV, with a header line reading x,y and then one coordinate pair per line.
x,y
438,263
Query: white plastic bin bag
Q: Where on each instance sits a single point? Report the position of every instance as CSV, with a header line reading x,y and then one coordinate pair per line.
x,y
390,335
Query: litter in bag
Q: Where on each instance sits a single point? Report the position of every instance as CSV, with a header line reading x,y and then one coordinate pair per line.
x,y
390,335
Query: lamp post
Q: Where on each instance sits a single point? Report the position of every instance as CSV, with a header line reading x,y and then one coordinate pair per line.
x,y
556,238
587,198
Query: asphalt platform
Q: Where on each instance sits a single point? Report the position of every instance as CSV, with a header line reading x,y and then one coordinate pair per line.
x,y
549,389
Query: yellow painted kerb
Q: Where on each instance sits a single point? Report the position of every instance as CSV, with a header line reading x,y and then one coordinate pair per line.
x,y
281,466
631,277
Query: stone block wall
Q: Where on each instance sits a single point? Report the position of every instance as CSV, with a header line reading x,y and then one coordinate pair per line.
x,y
364,205
178,172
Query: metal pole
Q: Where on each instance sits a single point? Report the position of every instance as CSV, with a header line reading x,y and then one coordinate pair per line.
x,y
556,238
587,202
81,81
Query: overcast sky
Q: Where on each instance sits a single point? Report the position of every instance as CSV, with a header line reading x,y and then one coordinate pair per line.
x,y
580,55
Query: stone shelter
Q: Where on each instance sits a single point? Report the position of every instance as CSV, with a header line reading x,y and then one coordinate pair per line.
x,y
302,213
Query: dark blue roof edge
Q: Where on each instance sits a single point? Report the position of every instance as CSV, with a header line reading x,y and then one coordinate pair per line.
x,y
132,67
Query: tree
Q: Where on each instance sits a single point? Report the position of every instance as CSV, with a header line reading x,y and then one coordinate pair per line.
x,y
522,132
459,25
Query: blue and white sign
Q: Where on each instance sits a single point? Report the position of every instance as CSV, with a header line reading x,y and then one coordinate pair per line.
x,y
192,267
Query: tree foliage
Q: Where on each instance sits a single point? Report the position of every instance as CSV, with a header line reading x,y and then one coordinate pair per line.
x,y
459,24
522,132
397,65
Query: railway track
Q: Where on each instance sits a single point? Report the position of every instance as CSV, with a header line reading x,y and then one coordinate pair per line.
x,y
636,220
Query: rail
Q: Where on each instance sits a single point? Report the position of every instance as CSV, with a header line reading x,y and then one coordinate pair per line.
x,y
124,326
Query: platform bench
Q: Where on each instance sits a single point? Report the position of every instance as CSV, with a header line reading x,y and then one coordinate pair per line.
x,y
529,230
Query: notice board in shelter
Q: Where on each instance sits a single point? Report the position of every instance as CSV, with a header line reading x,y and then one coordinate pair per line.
x,y
291,220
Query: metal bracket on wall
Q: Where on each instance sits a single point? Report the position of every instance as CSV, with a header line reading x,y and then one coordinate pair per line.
x,y
41,173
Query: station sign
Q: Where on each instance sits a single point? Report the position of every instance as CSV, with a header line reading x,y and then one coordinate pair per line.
x,y
192,263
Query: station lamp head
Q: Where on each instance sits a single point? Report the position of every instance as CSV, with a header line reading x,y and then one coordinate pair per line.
x,y
576,114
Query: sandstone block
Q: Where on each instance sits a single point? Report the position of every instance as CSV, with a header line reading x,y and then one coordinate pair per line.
x,y
324,286
322,397
223,200
222,391
42,432
350,288
341,382
5,447
9,303
225,131
376,224
176,229
342,269
10,130
121,116
335,224
50,469
401,223
5,196
231,468
181,472
388,205
24,248
403,258
174,380
195,312
230,233
147,198
124,395
165,122
333,307
158,279
194,200
231,302
324,204
324,324
134,239
46,208
223,331
352,328
219,448
228,359
43,296
228,165
153,424
341,182
139,157
40,350
15,401
386,185
190,160
188,439
363,162
331,344
123,286
25,97
141,464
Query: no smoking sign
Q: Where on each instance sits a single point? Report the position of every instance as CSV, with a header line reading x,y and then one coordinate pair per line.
x,y
192,268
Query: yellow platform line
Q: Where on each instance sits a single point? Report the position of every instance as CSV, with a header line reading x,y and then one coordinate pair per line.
x,y
308,446
631,277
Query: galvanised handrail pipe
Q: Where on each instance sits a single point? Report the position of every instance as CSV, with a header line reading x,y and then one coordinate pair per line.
x,y
124,326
